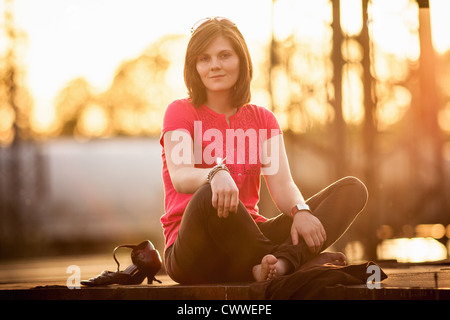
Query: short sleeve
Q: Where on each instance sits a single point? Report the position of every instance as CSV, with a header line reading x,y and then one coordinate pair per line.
x,y
179,115
272,124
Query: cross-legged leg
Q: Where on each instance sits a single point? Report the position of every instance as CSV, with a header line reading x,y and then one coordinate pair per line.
x,y
213,249
336,206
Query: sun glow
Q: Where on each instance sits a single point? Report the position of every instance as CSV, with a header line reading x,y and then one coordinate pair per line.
x,y
423,245
440,24
412,250
351,17
93,122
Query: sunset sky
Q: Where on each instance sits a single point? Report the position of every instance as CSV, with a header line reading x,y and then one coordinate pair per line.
x,y
90,38
80,38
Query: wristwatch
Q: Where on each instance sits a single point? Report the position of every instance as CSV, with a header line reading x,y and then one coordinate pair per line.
x,y
299,207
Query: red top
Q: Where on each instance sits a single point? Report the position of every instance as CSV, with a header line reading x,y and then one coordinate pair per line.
x,y
213,137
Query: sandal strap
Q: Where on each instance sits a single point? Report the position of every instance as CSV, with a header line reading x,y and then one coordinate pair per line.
x,y
114,253
141,245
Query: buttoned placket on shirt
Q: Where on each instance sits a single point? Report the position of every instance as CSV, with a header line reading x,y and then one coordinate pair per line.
x,y
229,124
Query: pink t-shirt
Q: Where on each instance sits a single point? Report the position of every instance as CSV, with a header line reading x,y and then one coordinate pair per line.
x,y
213,137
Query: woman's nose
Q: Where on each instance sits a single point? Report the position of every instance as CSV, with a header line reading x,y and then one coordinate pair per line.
x,y
215,64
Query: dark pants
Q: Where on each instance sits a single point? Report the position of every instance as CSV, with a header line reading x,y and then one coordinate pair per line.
x,y
210,249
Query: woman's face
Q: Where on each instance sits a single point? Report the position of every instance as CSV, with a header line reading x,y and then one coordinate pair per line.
x,y
218,66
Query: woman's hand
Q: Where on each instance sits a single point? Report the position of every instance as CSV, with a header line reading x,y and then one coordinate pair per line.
x,y
225,196
310,228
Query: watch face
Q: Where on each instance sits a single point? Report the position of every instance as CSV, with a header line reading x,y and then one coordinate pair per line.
x,y
299,207
302,207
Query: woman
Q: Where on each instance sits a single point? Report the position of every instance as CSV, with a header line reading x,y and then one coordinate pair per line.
x,y
215,147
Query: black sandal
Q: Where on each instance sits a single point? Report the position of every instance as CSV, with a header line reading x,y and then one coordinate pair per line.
x,y
146,263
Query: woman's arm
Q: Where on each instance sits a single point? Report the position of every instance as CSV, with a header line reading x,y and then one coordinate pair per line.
x,y
186,178
180,162
286,195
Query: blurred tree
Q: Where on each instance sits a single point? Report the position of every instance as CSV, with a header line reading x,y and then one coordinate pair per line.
x,y
15,100
377,107
134,103
443,81
70,103
15,103
16,166
339,125
143,87
426,139
301,71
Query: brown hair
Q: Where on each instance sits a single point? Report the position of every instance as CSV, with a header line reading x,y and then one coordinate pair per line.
x,y
199,41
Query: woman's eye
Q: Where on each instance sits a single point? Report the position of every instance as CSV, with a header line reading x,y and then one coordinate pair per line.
x,y
203,58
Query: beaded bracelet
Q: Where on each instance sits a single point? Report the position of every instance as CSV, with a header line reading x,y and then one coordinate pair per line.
x,y
220,166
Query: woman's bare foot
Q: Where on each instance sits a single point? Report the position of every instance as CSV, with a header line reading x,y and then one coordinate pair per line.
x,y
269,268
326,258
272,267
